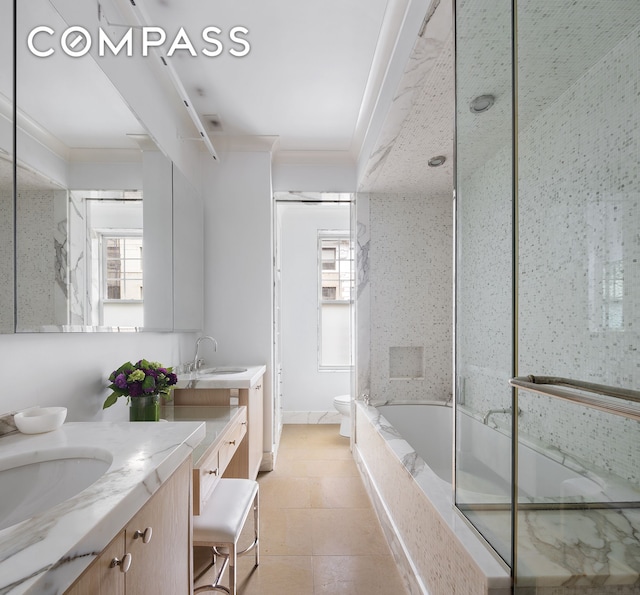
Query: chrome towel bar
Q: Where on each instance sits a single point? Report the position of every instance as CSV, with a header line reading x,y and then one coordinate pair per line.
x,y
549,386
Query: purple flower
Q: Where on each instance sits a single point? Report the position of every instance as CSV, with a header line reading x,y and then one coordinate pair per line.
x,y
120,381
172,378
135,390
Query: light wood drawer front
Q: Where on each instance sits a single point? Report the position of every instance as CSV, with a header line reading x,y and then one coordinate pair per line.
x,y
212,465
230,442
205,479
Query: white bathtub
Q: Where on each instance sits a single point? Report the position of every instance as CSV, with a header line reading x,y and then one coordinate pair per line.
x,y
485,459
437,551
405,456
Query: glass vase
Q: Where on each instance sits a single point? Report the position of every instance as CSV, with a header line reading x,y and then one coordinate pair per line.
x,y
144,408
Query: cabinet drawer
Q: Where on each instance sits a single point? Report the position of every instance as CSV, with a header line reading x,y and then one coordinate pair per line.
x,y
213,463
230,442
204,479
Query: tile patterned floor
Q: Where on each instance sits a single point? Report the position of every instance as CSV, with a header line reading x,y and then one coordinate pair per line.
x,y
319,533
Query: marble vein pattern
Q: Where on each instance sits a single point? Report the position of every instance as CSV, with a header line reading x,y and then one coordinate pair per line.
x,y
79,295
311,417
429,61
444,555
562,549
410,286
7,425
51,549
363,301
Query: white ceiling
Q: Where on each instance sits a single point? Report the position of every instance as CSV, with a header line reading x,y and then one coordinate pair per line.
x,y
304,78
313,81
314,78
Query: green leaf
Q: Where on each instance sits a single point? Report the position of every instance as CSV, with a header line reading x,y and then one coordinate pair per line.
x,y
110,400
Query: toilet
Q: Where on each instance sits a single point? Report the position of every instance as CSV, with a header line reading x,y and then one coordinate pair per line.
x,y
342,404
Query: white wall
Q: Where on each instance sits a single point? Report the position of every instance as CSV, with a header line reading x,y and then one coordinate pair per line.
x,y
304,388
290,177
71,369
238,264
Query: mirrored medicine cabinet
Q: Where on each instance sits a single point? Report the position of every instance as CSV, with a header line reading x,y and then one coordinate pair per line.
x,y
100,231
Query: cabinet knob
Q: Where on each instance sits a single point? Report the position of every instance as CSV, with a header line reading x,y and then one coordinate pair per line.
x,y
146,535
244,423
232,442
212,472
123,564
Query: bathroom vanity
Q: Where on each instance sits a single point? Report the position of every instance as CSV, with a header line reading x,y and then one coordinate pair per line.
x,y
117,523
224,388
218,453
152,553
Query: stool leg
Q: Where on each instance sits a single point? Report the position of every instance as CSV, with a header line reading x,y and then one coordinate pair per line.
x,y
256,526
232,568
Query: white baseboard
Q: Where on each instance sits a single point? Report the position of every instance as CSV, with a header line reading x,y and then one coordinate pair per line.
x,y
311,417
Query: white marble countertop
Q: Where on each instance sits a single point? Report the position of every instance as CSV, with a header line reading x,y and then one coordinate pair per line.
x,y
247,379
46,553
216,419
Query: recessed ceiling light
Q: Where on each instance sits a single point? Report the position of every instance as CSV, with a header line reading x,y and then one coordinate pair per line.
x,y
436,161
481,103
212,122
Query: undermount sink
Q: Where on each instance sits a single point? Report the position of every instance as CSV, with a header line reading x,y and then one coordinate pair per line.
x,y
221,370
33,482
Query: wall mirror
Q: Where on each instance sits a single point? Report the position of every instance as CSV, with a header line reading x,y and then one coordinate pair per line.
x,y
94,197
6,167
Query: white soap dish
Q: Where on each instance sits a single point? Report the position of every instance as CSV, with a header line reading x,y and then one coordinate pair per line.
x,y
38,420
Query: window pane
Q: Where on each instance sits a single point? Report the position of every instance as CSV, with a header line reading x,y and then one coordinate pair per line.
x,y
123,264
336,280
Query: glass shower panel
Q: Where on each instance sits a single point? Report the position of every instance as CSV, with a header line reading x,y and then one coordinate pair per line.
x,y
484,257
578,286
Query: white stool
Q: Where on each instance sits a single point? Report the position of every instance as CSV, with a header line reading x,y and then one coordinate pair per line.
x,y
220,525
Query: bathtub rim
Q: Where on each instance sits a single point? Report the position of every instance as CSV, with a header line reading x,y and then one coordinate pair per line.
x,y
440,494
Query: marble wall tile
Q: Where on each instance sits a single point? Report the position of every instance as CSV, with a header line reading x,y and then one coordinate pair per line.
x,y
36,257
431,556
410,284
579,218
311,417
363,292
78,294
418,123
6,260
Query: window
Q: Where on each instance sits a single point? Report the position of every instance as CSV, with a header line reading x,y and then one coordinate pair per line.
x,y
123,267
336,278
612,295
329,258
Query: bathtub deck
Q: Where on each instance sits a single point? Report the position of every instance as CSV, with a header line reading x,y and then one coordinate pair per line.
x,y
570,552
581,548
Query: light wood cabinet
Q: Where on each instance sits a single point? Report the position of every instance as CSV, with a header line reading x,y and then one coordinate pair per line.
x,y
252,398
102,577
213,463
152,555
248,457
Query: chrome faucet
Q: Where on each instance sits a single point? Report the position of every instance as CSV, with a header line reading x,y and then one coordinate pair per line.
x,y
488,414
196,361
